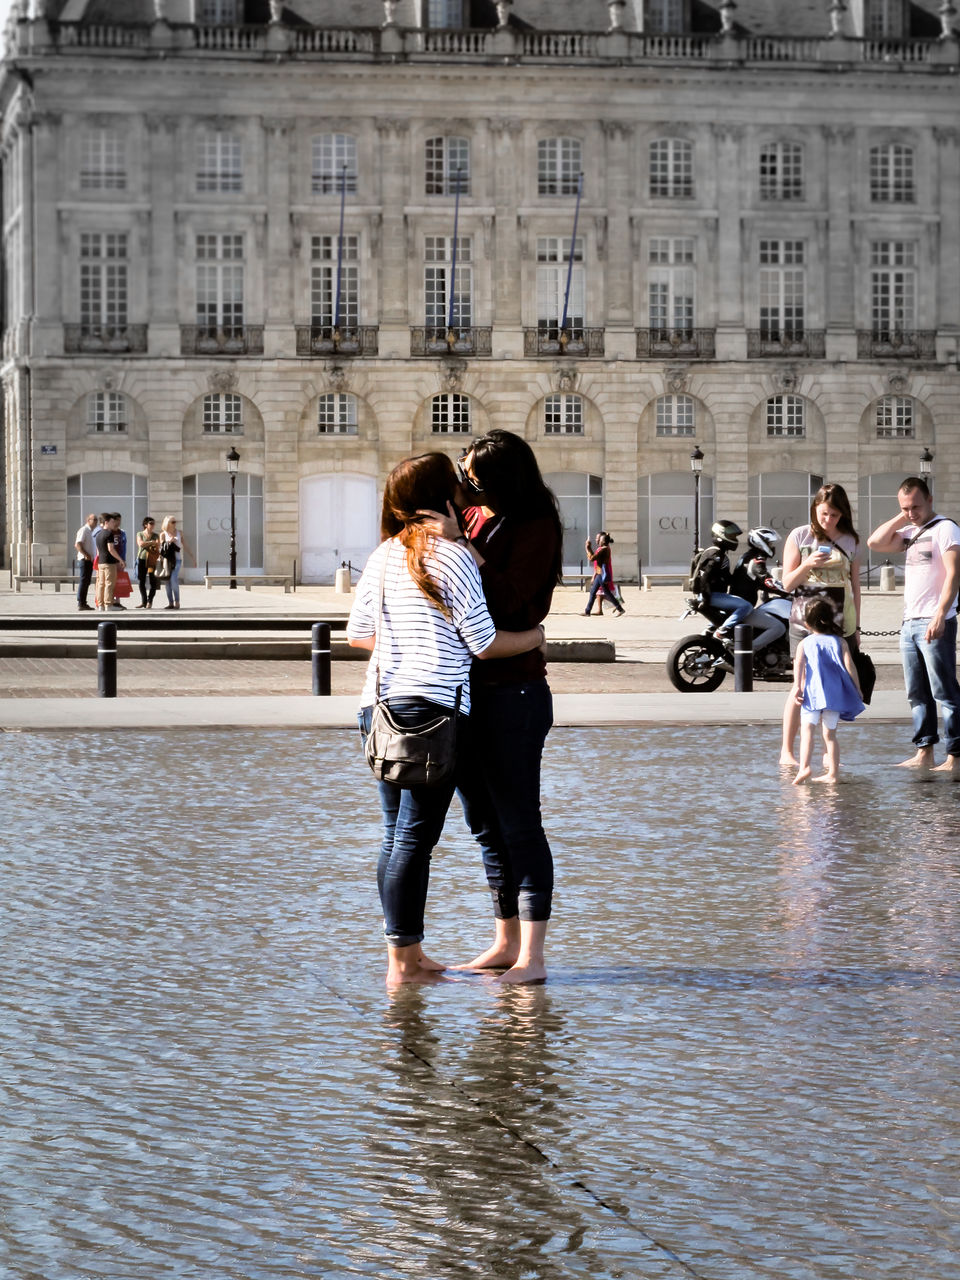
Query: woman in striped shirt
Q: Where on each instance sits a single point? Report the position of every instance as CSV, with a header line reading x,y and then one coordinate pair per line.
x,y
434,621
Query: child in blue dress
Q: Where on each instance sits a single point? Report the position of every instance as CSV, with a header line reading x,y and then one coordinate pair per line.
x,y
825,684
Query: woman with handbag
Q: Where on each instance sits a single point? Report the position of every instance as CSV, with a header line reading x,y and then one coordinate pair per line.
x,y
420,610
148,553
172,546
821,559
516,539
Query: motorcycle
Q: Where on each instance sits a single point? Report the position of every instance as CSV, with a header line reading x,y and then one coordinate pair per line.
x,y
698,663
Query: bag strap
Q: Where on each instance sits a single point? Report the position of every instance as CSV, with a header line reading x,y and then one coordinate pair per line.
x,y
921,532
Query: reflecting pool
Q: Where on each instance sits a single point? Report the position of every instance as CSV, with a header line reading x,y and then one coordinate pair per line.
x,y
744,1063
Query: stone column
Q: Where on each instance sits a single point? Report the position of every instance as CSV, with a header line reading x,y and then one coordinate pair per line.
x,y
732,270
506,278
840,266
165,264
279,304
394,170
947,169
619,258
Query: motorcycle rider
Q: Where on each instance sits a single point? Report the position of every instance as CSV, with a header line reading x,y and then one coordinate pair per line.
x,y
750,574
711,571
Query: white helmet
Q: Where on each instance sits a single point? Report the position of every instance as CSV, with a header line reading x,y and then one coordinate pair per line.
x,y
763,539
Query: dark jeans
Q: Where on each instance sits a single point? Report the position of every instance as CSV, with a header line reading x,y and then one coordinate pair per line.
x,y
600,584
147,582
413,819
86,577
499,787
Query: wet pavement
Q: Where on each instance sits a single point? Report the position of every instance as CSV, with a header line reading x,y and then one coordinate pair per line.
x,y
743,1066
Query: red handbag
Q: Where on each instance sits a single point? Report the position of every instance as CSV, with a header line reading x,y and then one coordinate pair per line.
x,y
122,587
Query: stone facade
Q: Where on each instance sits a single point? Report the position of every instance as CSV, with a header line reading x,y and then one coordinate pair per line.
x,y
768,267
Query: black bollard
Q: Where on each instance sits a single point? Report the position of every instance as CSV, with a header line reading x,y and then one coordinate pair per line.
x,y
320,654
743,658
107,660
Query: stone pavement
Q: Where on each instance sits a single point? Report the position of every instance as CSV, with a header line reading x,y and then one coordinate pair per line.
x,y
60,692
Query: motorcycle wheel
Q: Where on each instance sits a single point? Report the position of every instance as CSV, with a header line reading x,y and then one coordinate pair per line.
x,y
690,664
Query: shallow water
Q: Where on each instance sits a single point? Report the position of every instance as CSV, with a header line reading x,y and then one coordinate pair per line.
x,y
744,1064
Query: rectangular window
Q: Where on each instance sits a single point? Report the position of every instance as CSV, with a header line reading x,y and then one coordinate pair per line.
x,y
670,286
891,175
451,414
893,287
782,290
323,281
563,415
785,416
552,258
107,411
102,161
781,171
883,19
438,262
443,14
218,12
220,284
559,165
337,414
663,17
219,161
675,416
103,279
223,414
447,163
895,418
671,168
334,164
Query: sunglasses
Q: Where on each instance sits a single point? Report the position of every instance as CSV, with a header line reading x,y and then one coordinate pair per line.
x,y
464,477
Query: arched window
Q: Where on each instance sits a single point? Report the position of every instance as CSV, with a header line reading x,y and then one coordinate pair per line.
x,y
781,171
222,414
563,415
334,163
559,165
450,414
337,414
676,416
891,174
671,168
896,419
786,416
447,164
107,411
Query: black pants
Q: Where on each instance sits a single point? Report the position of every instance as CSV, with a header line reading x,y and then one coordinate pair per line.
x,y
86,577
147,582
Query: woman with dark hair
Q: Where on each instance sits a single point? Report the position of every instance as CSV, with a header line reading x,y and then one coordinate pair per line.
x,y
433,619
515,536
821,558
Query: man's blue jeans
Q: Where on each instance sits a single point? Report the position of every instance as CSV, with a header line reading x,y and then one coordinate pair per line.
x,y
499,789
412,823
930,675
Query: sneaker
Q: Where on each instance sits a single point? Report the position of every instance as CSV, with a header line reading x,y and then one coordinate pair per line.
x,y
117,606
620,613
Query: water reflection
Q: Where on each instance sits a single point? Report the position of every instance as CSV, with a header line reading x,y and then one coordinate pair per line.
x,y
744,1062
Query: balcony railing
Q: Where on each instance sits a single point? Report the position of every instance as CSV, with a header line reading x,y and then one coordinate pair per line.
x,y
110,339
441,341
345,340
233,340
685,344
900,344
572,341
811,343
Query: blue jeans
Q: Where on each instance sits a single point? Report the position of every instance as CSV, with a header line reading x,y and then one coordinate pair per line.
x,y
83,583
600,585
499,789
740,609
930,674
413,819
172,584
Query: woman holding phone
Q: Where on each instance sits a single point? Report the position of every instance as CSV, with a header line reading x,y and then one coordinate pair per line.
x,y
821,558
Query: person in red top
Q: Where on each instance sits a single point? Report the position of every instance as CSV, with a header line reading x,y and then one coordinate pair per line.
x,y
514,534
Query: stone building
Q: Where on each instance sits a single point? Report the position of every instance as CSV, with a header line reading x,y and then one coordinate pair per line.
x,y
329,235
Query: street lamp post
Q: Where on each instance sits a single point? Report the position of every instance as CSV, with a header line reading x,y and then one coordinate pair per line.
x,y
926,462
233,464
696,466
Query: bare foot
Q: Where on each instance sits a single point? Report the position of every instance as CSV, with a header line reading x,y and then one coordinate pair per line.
x,y
788,761
498,956
408,964
802,776
950,765
400,977
432,966
827,777
922,760
532,972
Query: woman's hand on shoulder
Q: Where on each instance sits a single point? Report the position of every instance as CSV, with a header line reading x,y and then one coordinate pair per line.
x,y
442,525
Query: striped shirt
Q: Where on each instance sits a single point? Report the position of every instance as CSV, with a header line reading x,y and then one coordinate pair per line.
x,y
421,653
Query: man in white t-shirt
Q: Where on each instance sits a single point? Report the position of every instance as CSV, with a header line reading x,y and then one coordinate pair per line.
x,y
928,638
